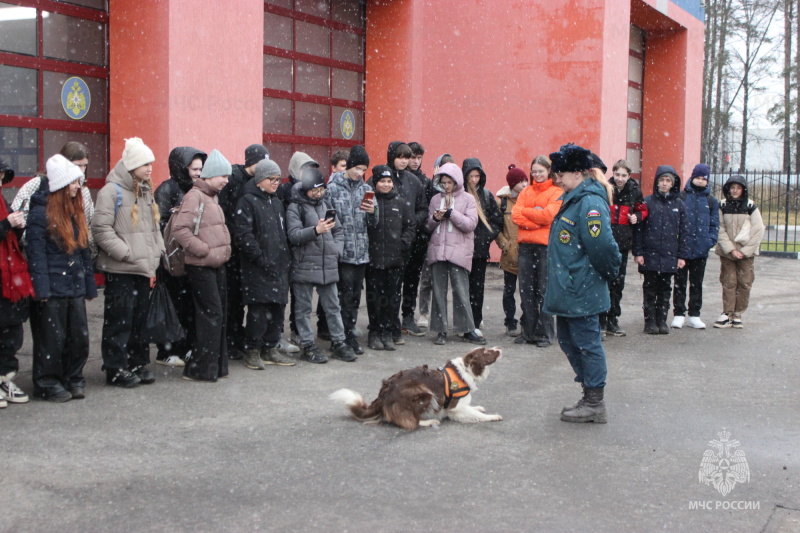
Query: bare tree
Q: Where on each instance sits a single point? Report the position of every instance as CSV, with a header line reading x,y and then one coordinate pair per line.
x,y
716,113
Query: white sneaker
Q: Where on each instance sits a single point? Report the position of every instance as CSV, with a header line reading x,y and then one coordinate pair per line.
x,y
423,321
9,392
172,360
695,322
287,347
677,322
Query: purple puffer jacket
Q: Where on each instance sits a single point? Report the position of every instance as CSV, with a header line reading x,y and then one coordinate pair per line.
x,y
452,239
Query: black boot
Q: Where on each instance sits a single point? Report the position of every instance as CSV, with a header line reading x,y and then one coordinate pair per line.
x,y
579,402
661,320
593,408
612,327
650,325
374,341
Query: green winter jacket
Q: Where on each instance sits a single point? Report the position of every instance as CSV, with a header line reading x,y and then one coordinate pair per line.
x,y
582,255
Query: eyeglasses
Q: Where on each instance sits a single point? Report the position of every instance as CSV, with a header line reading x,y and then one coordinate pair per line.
x,y
274,181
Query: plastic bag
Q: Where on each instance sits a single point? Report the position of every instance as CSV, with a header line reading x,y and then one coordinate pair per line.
x,y
161,326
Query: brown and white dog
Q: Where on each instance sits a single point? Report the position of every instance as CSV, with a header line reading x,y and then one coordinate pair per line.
x,y
423,396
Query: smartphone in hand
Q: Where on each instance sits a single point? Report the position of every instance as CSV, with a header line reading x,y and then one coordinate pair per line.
x,y
368,196
330,214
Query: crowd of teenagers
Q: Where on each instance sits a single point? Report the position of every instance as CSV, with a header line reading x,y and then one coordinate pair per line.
x,y
253,242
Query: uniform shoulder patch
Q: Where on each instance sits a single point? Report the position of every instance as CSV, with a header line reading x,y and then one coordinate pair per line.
x,y
595,227
564,237
593,213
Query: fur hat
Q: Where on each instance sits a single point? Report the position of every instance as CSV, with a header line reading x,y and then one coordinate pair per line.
x,y
8,172
216,165
61,172
266,168
136,154
700,171
358,156
254,153
571,158
311,178
515,175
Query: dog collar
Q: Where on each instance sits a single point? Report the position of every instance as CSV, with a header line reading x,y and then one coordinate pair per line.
x,y
454,385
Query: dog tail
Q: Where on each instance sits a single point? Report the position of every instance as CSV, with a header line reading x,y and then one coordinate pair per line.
x,y
358,407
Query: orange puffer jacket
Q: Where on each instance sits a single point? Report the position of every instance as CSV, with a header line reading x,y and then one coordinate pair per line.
x,y
535,210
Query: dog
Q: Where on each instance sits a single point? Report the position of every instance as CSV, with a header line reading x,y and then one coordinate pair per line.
x,y
423,396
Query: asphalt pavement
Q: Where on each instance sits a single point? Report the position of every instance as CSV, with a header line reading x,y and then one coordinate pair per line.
x,y
267,451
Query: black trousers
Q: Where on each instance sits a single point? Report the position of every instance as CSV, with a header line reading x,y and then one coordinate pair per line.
x,y
10,343
61,348
616,287
509,303
412,273
693,272
383,297
264,324
127,298
656,289
351,281
209,359
235,306
532,279
477,284
181,295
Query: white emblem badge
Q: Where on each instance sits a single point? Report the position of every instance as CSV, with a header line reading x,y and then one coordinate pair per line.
x,y
722,467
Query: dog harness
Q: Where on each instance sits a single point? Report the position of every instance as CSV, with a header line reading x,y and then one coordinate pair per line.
x,y
455,387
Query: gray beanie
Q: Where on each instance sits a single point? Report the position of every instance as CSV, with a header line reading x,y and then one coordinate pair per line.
x,y
216,165
266,168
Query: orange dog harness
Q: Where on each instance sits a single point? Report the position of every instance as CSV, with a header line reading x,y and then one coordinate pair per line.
x,y
455,387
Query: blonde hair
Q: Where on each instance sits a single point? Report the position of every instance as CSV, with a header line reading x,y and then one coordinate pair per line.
x,y
135,208
597,175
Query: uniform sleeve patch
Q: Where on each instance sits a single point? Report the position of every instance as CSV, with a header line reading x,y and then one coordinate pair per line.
x,y
595,226
568,221
564,236
593,213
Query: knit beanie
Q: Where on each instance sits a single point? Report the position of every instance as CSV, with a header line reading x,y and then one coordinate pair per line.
x,y
571,158
61,172
515,175
598,163
311,178
216,165
253,154
358,156
136,154
7,171
379,172
266,168
700,170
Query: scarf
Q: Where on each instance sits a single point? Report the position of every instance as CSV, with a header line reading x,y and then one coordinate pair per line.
x,y
14,271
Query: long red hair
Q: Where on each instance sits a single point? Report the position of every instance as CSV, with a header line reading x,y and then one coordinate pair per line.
x,y
62,212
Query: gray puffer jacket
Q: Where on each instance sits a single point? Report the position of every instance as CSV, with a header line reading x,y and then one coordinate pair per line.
x,y
315,258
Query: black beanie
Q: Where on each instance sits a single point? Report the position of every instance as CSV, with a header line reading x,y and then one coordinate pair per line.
x,y
253,154
598,163
358,156
311,178
7,172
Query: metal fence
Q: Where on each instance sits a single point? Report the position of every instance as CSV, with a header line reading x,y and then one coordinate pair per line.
x,y
777,195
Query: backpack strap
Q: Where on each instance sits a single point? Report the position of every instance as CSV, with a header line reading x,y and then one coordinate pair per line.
x,y
118,204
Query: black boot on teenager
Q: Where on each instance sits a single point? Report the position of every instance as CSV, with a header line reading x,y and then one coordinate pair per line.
x,y
146,377
661,320
312,354
388,341
122,378
342,351
374,341
612,327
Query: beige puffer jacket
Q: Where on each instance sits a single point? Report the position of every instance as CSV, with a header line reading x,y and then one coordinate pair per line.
x,y
125,248
742,232
507,239
211,247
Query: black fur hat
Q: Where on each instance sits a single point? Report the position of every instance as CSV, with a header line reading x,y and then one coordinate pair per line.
x,y
598,163
571,158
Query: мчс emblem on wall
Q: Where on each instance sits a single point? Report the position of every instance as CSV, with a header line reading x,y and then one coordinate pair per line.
x,y
76,99
722,467
347,124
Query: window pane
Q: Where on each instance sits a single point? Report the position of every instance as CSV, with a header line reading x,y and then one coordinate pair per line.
x,y
97,144
277,116
319,8
277,73
347,85
277,31
74,39
341,122
637,39
634,159
312,79
18,91
635,69
634,100
96,101
634,131
320,154
20,148
18,29
348,11
312,39
281,153
312,120
348,47
283,3
96,4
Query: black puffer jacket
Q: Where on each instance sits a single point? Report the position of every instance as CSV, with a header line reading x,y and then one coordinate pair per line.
x,y
662,238
409,187
483,235
11,313
628,200
260,234
169,193
391,239
54,273
430,192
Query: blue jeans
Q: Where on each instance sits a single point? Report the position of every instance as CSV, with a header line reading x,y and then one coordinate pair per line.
x,y
580,340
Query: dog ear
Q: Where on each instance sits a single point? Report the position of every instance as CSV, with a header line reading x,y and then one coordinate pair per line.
x,y
473,355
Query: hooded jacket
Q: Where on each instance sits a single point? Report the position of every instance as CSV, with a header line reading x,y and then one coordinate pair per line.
x,y
430,192
260,232
742,227
54,272
315,258
453,239
346,196
211,247
391,237
627,201
662,237
483,235
507,239
409,187
582,256
296,164
702,215
125,248
169,193
535,210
